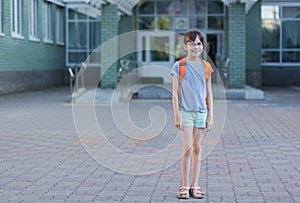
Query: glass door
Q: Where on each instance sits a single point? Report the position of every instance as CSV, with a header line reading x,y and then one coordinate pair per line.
x,y
156,48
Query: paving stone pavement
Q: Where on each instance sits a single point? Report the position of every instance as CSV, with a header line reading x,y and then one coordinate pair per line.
x,y
257,158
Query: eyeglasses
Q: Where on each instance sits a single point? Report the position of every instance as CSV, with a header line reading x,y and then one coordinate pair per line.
x,y
192,44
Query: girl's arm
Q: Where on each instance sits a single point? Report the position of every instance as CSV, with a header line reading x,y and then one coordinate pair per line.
x,y
209,122
177,119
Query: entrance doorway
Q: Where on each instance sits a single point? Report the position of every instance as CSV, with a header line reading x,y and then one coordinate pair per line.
x,y
216,48
216,53
157,49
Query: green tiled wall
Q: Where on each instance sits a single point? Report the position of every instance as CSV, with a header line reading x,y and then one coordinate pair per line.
x,y
237,45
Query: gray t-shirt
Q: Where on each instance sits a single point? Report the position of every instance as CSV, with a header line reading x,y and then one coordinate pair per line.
x,y
193,86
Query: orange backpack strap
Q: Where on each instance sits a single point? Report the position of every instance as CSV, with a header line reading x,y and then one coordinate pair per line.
x,y
182,68
207,68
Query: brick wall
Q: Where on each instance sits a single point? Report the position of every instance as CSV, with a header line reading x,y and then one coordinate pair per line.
x,y
237,45
109,50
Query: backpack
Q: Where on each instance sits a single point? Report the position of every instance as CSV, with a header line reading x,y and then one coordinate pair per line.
x,y
182,70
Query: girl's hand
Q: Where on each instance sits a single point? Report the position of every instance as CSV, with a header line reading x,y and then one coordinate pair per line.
x,y
209,123
177,121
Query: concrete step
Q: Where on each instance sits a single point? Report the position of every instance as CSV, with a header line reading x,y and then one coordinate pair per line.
x,y
163,91
154,92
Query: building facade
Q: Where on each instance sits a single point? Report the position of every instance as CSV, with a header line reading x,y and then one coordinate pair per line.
x,y
32,44
280,47
261,41
40,39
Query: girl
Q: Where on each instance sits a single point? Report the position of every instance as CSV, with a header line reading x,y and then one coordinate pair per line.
x,y
193,110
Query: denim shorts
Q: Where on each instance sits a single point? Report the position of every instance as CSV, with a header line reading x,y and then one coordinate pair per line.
x,y
193,119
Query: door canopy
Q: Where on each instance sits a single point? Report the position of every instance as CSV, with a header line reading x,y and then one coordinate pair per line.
x,y
125,6
249,3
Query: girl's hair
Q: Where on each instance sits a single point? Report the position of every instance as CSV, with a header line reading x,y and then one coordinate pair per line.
x,y
191,35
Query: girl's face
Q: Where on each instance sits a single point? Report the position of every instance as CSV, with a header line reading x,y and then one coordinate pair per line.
x,y
194,49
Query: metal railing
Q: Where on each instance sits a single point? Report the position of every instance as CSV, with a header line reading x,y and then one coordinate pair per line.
x,y
126,66
127,77
223,70
76,74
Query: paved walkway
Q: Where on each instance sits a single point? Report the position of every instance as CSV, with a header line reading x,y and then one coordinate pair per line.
x,y
257,158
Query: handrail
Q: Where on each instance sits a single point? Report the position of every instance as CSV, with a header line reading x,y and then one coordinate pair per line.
x,y
75,72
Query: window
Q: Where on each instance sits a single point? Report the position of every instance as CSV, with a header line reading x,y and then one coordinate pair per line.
x,y
280,34
201,14
59,26
33,18
1,31
215,7
215,15
47,20
16,18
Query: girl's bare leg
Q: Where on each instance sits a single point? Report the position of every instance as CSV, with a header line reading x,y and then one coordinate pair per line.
x,y
196,157
187,141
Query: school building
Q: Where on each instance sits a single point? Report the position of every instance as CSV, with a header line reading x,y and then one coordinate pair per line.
x,y
41,39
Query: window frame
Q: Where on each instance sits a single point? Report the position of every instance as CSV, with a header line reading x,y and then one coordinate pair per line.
x,y
47,22
59,26
1,24
280,50
188,15
16,11
33,20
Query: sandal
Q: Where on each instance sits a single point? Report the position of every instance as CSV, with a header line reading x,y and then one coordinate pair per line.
x,y
197,193
183,193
